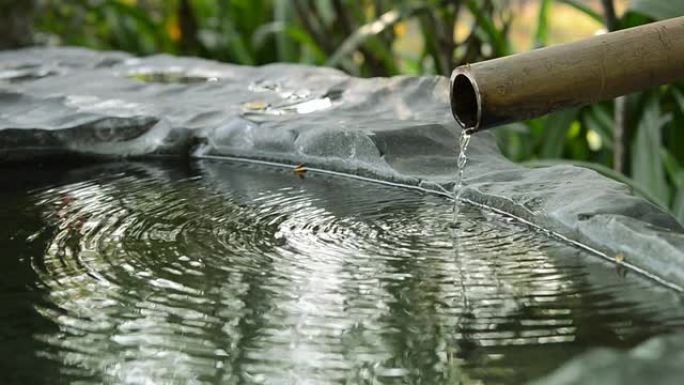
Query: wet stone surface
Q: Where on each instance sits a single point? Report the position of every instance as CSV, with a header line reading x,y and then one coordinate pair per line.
x,y
109,104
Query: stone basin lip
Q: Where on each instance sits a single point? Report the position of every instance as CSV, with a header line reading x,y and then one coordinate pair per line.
x,y
75,101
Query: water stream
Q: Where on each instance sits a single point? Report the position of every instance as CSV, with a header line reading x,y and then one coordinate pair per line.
x,y
463,141
221,273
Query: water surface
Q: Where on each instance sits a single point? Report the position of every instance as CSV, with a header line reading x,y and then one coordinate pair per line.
x,y
221,273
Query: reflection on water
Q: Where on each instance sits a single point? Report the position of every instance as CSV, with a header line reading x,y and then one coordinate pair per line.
x,y
131,274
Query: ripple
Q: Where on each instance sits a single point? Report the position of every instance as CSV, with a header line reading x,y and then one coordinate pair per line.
x,y
240,274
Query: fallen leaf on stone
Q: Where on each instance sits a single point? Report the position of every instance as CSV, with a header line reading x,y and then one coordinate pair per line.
x,y
255,105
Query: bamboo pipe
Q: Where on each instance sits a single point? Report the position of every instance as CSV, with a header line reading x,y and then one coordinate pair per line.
x,y
532,84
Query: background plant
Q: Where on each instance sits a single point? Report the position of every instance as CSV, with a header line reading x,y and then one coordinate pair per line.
x,y
637,139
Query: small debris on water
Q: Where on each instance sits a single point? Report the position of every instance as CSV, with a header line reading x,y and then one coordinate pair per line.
x,y
620,267
300,170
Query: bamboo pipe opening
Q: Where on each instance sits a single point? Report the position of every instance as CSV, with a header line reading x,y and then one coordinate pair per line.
x,y
465,101
528,85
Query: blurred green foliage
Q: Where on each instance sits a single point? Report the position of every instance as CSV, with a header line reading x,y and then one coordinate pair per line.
x,y
357,36
362,38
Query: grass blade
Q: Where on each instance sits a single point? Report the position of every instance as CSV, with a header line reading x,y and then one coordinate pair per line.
x,y
647,167
283,15
541,35
369,30
556,126
495,37
678,202
578,5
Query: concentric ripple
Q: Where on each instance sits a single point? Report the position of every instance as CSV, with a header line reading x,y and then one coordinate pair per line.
x,y
237,274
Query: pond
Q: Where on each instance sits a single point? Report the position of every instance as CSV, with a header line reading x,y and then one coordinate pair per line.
x,y
220,272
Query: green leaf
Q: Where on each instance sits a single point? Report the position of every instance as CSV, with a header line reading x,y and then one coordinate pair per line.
x,y
658,9
675,137
513,141
324,9
146,26
599,120
283,15
304,38
541,35
369,30
556,127
676,173
494,36
679,97
670,163
678,201
647,168
431,47
578,5
634,19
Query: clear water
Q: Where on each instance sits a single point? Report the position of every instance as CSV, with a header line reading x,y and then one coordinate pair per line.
x,y
219,273
462,160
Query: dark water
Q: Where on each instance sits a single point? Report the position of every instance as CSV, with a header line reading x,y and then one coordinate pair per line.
x,y
217,273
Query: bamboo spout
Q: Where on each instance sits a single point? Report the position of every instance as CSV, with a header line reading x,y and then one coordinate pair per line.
x,y
532,84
